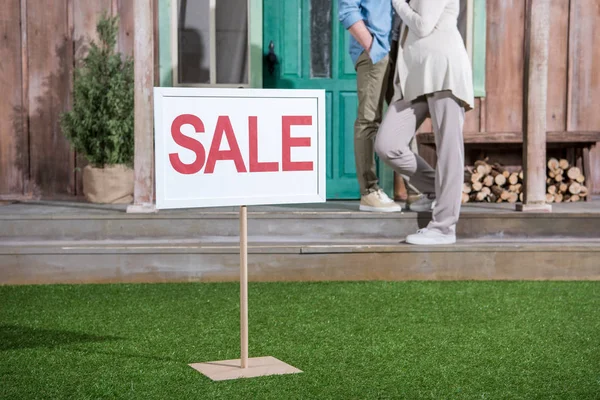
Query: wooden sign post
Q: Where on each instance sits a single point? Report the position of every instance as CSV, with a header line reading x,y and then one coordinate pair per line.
x,y
244,367
244,285
286,127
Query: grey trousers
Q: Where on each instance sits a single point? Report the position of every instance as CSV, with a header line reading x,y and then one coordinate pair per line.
x,y
392,144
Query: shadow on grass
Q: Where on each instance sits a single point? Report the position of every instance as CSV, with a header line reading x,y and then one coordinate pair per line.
x,y
13,337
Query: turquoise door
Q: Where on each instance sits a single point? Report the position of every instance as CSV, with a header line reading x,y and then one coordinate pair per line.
x,y
311,49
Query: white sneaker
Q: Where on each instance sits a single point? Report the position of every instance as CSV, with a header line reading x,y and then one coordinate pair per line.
x,y
428,237
378,201
426,203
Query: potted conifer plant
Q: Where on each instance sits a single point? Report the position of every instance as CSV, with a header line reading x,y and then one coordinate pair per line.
x,y
100,124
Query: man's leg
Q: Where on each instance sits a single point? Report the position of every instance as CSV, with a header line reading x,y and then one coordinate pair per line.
x,y
371,86
372,81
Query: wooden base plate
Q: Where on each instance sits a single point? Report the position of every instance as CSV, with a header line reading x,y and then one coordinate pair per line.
x,y
533,207
231,369
141,209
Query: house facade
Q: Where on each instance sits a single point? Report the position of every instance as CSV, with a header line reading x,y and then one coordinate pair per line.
x,y
285,44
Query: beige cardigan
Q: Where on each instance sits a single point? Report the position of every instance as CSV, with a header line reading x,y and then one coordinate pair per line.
x,y
431,52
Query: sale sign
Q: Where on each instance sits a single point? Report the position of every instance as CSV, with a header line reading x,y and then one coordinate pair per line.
x,y
233,147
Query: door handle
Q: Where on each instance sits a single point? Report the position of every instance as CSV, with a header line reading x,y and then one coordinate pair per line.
x,y
272,60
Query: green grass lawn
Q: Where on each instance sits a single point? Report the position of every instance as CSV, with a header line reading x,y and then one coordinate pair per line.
x,y
372,340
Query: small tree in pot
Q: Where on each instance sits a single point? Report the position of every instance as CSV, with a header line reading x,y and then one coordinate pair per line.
x,y
100,125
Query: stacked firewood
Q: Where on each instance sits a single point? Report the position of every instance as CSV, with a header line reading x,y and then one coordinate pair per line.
x,y
492,183
564,182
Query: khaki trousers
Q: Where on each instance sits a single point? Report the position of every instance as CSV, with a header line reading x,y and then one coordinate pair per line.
x,y
401,121
372,81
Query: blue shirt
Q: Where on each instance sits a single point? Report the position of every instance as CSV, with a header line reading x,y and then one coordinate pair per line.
x,y
377,15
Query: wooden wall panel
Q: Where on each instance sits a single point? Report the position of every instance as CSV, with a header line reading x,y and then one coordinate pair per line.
x,y
125,12
557,65
50,63
13,138
584,75
504,65
86,15
584,61
472,118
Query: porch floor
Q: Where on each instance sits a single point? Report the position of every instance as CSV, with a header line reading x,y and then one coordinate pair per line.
x,y
74,208
71,242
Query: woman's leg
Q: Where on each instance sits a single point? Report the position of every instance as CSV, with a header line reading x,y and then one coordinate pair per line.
x,y
392,143
447,117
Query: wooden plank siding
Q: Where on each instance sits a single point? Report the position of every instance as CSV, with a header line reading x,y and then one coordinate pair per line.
x,y
125,12
37,43
557,66
86,15
13,137
584,75
50,67
39,46
584,65
505,65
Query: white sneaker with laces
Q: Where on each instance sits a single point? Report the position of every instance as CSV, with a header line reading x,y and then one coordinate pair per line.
x,y
426,203
428,237
378,201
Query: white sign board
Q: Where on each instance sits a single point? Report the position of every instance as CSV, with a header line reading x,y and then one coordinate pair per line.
x,y
234,147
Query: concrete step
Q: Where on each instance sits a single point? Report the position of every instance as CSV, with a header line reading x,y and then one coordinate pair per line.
x,y
295,259
338,220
